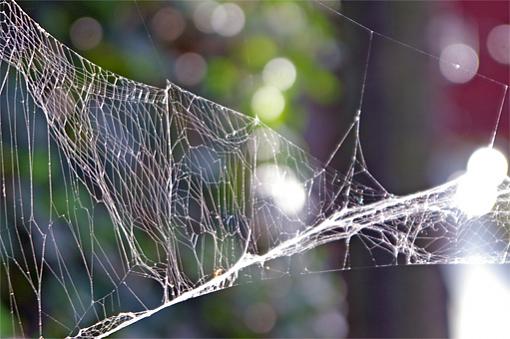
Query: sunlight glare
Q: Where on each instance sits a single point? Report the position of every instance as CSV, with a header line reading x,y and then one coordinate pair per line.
x,y
477,190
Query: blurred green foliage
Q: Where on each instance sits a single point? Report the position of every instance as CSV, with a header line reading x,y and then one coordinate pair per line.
x,y
298,31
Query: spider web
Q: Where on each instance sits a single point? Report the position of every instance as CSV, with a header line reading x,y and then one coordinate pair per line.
x,y
195,195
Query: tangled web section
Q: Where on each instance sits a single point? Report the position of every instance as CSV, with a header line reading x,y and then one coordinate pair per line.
x,y
150,188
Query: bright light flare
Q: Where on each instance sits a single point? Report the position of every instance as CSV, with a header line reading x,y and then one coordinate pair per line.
x,y
281,184
488,165
481,308
477,190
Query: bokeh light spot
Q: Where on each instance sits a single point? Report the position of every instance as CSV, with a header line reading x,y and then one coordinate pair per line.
x,y
280,73
86,33
257,50
268,103
331,324
202,16
168,24
458,63
260,317
227,19
190,68
286,18
498,44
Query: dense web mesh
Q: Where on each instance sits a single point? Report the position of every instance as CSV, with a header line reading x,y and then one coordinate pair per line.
x,y
195,195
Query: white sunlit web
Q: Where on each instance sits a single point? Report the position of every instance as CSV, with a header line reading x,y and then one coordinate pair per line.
x,y
196,196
